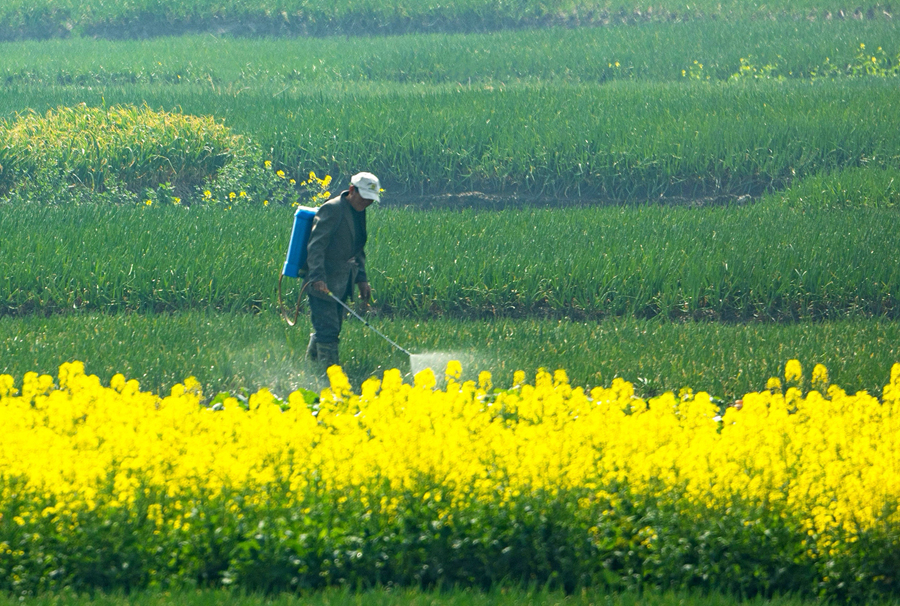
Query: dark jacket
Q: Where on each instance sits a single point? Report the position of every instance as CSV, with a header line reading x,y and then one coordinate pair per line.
x,y
334,254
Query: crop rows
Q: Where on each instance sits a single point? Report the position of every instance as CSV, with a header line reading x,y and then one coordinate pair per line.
x,y
610,114
654,53
624,141
43,19
765,261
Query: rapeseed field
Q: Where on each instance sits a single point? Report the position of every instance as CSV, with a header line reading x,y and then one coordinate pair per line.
x,y
793,488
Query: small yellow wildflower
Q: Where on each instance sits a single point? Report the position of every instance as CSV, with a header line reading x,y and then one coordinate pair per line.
x,y
425,379
518,378
820,377
484,380
7,386
793,371
454,370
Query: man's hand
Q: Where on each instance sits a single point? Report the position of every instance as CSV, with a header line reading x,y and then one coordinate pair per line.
x,y
365,291
320,286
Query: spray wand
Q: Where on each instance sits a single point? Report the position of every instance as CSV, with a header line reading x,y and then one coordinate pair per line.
x,y
366,322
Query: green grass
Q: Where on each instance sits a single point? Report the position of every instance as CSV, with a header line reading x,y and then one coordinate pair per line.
x,y
48,18
622,141
656,52
532,113
758,262
849,188
233,351
402,597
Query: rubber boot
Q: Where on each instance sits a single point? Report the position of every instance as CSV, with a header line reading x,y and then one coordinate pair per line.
x,y
327,354
312,353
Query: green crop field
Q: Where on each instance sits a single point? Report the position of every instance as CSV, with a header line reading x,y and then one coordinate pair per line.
x,y
625,141
611,114
759,262
654,52
682,195
141,18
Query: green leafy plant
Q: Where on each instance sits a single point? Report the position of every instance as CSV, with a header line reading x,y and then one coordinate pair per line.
x,y
128,153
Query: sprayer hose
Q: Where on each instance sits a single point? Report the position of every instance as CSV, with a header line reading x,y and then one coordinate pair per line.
x,y
281,310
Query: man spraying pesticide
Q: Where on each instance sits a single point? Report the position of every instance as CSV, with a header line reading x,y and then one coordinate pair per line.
x,y
328,248
336,261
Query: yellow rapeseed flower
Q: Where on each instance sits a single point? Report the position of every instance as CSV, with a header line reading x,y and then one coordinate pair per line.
x,y
793,371
484,380
827,459
454,370
820,377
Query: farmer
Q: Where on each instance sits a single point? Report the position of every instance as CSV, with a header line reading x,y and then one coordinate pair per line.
x,y
337,260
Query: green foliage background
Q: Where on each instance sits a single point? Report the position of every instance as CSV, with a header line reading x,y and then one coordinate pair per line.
x,y
609,115
146,18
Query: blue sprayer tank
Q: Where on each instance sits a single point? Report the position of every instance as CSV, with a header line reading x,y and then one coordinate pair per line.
x,y
296,255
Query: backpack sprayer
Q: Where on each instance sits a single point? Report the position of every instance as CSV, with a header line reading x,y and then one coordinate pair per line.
x,y
295,267
295,264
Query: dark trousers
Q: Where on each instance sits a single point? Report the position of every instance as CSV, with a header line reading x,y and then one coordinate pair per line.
x,y
327,316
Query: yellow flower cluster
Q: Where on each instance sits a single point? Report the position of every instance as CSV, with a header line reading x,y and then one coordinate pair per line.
x,y
317,189
830,458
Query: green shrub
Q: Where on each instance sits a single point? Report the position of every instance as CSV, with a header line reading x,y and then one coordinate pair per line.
x,y
124,151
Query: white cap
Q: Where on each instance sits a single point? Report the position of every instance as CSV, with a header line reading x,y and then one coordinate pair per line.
x,y
368,186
